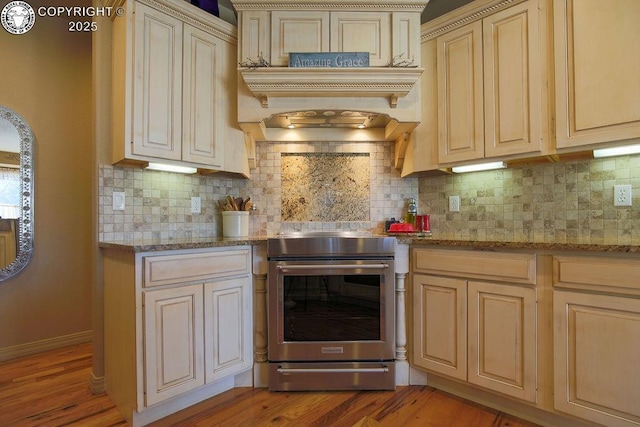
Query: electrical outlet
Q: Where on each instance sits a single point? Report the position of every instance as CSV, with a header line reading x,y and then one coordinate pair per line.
x,y
196,205
118,200
454,203
622,195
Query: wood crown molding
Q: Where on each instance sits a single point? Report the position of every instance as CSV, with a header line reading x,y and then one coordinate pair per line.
x,y
372,5
196,17
462,16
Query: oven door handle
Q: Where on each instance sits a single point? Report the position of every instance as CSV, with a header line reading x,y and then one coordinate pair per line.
x,y
281,370
299,267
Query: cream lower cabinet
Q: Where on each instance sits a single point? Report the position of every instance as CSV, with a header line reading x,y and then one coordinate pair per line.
x,y
596,306
178,327
474,318
173,342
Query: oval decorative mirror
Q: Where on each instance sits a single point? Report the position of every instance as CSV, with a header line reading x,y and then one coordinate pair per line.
x,y
16,193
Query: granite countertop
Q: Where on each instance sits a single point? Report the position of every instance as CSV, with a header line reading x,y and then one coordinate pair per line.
x,y
584,247
143,245
214,242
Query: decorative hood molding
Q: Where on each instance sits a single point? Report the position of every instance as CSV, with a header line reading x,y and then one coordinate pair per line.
x,y
390,83
269,30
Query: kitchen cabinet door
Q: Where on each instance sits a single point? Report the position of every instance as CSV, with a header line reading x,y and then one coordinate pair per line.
x,y
228,327
203,98
298,31
173,342
502,338
460,94
440,324
362,32
596,71
157,84
596,345
490,86
512,92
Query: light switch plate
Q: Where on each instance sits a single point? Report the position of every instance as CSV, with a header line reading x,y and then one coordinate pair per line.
x,y
118,200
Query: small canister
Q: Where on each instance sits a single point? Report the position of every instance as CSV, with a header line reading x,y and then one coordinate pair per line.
x,y
423,223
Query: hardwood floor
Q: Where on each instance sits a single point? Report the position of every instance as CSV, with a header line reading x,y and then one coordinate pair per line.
x,y
52,389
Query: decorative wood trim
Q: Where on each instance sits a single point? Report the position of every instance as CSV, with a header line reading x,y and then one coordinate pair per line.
x,y
392,83
373,5
197,18
438,27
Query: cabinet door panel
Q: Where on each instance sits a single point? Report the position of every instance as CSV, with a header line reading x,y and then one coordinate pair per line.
x,y
362,32
173,335
512,92
460,94
596,344
254,36
298,31
597,81
440,324
157,103
228,326
502,338
203,98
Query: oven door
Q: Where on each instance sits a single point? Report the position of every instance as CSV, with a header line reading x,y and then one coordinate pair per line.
x,y
331,310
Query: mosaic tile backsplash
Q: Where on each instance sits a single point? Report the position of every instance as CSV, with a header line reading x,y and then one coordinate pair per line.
x,y
568,202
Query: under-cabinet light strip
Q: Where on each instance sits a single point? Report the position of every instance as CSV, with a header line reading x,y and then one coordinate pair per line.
x,y
617,151
171,168
479,167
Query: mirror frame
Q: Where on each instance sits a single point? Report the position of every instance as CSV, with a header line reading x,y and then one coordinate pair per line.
x,y
24,248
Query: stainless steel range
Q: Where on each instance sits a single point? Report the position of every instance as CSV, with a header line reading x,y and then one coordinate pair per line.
x,y
331,312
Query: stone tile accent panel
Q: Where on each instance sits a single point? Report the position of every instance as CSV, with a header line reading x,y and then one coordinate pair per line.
x,y
325,187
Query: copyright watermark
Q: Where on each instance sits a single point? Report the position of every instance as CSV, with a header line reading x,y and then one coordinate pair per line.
x,y
18,16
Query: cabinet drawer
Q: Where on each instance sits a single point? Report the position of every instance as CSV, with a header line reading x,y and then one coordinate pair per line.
x,y
170,269
501,266
621,275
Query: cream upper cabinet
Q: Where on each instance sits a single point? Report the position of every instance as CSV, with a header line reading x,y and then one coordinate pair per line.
x,y
156,123
489,87
362,32
480,331
461,112
174,83
276,33
203,98
298,31
596,68
422,148
596,309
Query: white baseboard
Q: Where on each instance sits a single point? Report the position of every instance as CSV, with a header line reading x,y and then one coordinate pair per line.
x,y
36,347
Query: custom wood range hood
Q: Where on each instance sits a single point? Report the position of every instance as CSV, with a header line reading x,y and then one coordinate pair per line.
x,y
328,103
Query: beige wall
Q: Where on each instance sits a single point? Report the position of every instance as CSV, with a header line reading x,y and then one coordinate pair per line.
x,y
46,78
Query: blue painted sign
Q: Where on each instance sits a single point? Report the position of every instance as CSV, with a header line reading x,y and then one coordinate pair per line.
x,y
329,60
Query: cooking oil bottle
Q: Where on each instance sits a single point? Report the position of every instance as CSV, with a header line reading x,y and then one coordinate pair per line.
x,y
412,211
